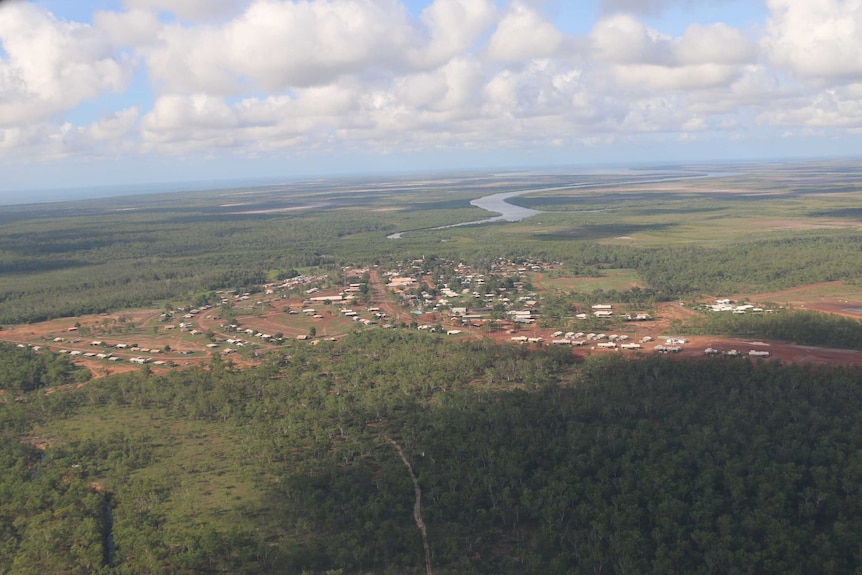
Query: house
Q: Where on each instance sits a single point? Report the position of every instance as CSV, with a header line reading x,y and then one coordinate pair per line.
x,y
639,317
329,298
399,282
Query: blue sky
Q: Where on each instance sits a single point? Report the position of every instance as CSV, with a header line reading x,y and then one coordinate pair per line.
x,y
114,92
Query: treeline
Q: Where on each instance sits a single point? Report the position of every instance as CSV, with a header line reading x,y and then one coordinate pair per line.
x,y
23,370
528,463
799,326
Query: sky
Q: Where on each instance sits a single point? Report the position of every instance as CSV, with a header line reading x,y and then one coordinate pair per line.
x,y
129,92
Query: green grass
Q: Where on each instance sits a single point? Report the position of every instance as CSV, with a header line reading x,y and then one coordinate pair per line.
x,y
847,292
199,465
620,280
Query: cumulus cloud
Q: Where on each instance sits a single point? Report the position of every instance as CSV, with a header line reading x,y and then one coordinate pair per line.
x,y
175,113
274,45
524,34
185,60
623,39
255,76
649,7
133,28
713,44
452,28
704,57
827,109
195,10
453,89
50,66
114,126
277,44
816,38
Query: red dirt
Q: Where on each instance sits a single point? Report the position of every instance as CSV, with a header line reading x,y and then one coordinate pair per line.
x,y
275,319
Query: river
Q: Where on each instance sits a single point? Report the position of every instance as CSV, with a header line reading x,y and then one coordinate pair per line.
x,y
512,213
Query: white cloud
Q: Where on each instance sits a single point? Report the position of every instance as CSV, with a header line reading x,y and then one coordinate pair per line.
x,y
713,44
114,126
827,109
47,142
704,57
274,45
452,28
816,38
623,39
51,66
280,44
666,78
190,60
175,113
652,7
524,34
195,10
133,28
256,76
453,89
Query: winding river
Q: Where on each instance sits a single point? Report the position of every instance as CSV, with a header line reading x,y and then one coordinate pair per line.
x,y
512,213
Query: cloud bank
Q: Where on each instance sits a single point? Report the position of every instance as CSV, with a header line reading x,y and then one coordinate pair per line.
x,y
297,77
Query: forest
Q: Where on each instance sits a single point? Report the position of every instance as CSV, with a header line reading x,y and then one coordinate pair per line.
x,y
527,463
799,326
398,451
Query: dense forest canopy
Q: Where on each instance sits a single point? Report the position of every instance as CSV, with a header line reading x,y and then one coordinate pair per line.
x,y
527,463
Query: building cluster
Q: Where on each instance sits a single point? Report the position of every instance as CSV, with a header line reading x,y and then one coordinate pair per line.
x,y
727,305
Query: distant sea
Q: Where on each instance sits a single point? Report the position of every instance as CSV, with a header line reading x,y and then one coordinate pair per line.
x,y
11,197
